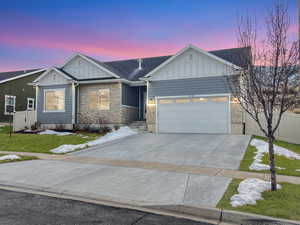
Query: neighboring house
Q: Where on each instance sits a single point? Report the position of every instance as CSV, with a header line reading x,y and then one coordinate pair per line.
x,y
15,93
184,93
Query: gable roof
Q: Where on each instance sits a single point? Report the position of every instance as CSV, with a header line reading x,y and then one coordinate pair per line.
x,y
128,69
12,75
188,47
237,56
58,70
95,62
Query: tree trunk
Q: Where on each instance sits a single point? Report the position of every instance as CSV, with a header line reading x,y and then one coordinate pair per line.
x,y
272,164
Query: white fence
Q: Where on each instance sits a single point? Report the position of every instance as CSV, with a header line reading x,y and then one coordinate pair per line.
x,y
288,130
23,120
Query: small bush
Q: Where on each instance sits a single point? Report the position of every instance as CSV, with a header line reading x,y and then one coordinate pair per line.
x,y
105,129
34,126
116,127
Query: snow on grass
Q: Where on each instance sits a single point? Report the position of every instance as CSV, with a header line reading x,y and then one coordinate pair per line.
x,y
9,157
262,148
249,191
114,135
55,132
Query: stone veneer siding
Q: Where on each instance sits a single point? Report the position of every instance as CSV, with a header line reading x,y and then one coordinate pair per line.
x,y
129,114
236,118
111,116
117,114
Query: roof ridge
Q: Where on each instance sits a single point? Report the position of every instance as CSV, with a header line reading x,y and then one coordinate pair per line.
x,y
25,71
226,49
122,60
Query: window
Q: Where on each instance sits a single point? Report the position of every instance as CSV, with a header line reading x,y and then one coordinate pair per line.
x,y
54,100
99,99
182,100
30,104
165,101
10,104
199,99
220,99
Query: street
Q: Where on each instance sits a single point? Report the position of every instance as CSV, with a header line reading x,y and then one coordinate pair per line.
x,y
18,208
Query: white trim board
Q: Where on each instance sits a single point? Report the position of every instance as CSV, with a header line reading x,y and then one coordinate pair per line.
x,y
196,49
23,75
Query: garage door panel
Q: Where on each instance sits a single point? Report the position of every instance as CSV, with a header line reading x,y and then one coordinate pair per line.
x,y
208,116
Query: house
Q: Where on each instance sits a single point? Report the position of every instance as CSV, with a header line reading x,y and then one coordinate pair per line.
x,y
15,93
182,93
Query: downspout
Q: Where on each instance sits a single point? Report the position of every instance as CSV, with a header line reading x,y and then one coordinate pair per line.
x,y
73,103
36,101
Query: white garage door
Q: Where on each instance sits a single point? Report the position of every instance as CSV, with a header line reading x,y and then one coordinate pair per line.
x,y
193,115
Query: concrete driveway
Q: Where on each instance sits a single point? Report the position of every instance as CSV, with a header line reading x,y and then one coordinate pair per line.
x,y
133,185
217,151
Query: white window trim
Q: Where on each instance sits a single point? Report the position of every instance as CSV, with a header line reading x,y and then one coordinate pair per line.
x,y
54,111
33,104
5,104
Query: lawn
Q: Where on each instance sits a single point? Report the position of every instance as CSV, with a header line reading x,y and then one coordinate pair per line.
x,y
291,165
22,158
285,203
38,143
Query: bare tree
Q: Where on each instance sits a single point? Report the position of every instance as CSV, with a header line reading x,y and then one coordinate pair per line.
x,y
267,84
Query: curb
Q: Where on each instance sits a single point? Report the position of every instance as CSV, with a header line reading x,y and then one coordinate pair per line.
x,y
227,216
203,214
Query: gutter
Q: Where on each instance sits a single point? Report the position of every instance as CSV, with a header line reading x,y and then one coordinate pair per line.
x,y
23,75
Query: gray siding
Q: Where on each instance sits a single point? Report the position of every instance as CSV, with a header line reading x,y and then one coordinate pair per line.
x,y
130,95
190,86
55,117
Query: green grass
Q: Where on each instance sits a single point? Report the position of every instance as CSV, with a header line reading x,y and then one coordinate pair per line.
x,y
22,158
39,143
284,203
4,129
291,165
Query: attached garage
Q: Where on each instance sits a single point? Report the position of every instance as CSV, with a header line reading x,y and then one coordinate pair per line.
x,y
205,114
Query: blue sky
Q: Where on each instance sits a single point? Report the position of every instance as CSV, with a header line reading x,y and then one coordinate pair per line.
x,y
37,34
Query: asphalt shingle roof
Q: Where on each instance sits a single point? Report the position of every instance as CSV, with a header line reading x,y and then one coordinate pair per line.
x,y
12,74
128,69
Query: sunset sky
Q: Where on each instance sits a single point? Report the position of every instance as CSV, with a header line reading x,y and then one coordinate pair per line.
x,y
41,33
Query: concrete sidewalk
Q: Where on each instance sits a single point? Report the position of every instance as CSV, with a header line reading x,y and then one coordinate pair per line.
x,y
196,170
122,184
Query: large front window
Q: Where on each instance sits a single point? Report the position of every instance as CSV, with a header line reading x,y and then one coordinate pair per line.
x,y
99,99
54,100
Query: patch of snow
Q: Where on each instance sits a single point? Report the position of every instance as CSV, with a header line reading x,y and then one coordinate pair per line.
x,y
297,170
27,131
9,157
262,148
55,132
249,191
114,135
